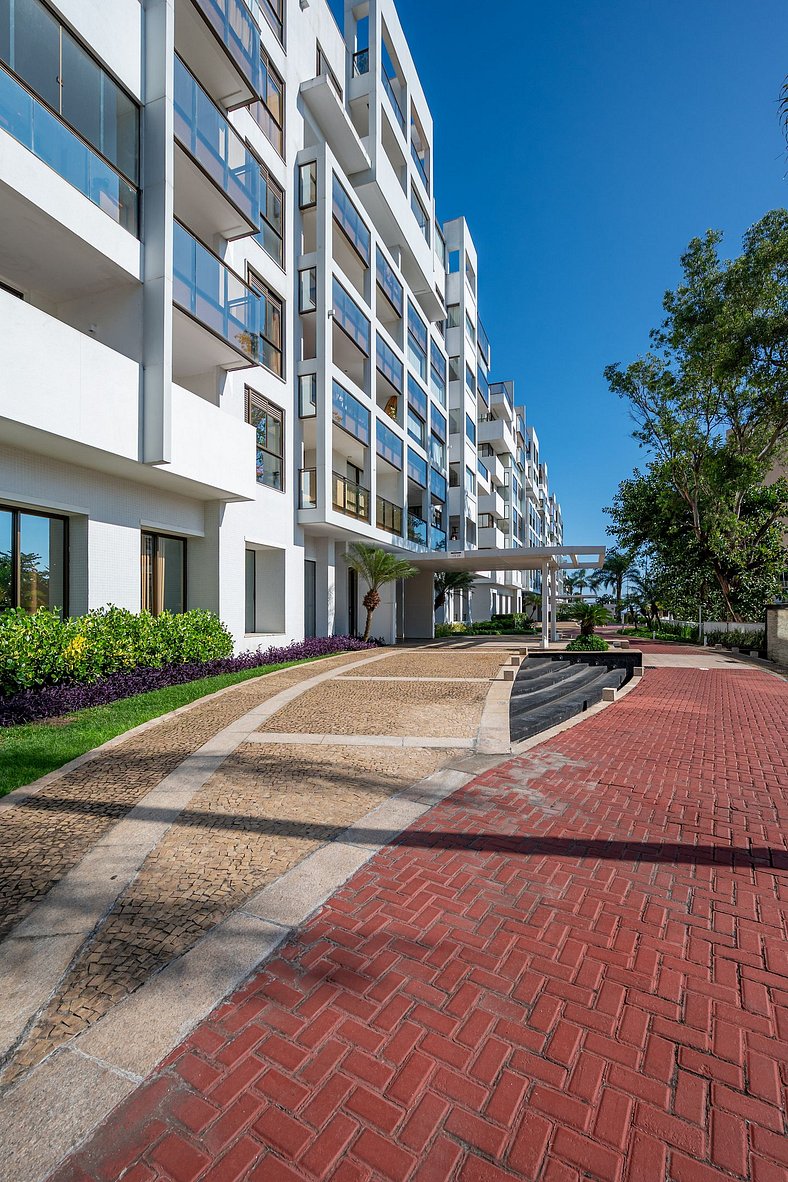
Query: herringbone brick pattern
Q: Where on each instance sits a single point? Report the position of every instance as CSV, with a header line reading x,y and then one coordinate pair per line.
x,y
576,967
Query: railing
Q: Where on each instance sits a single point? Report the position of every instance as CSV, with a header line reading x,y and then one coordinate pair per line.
x,y
389,516
388,445
207,136
417,529
360,62
389,284
307,488
350,498
349,414
32,125
437,538
350,222
482,470
238,32
388,86
420,165
349,317
389,364
214,295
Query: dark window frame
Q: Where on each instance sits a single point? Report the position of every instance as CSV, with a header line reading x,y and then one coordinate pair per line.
x,y
157,534
261,288
16,512
270,71
270,180
256,401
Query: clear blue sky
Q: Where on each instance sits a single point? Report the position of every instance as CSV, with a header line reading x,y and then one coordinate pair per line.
x,y
586,142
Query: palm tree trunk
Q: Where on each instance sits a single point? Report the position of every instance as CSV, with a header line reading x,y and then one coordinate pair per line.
x,y
368,625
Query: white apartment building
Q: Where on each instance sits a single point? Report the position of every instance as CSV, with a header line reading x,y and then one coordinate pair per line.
x,y
224,337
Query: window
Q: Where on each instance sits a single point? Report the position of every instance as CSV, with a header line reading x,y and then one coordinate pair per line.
x,y
268,421
470,481
324,70
420,214
437,373
388,444
439,424
250,581
417,468
483,384
389,364
388,283
470,428
419,149
271,326
454,369
453,316
438,485
349,414
455,422
307,290
470,380
33,560
307,185
440,246
417,342
272,227
349,317
416,397
163,574
469,328
272,11
269,113
352,225
437,451
417,428
470,275
307,395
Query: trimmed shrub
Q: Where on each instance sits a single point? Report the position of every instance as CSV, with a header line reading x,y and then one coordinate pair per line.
x,y
39,649
31,705
587,644
443,630
738,638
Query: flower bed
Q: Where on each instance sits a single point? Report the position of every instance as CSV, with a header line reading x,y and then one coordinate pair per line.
x,y
50,701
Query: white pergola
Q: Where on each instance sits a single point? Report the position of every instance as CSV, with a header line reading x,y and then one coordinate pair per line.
x,y
547,559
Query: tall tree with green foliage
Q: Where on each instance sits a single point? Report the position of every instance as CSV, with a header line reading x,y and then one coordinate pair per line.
x,y
377,568
617,567
451,580
710,405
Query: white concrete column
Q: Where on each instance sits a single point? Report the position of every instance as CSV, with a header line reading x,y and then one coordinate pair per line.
x,y
545,606
553,604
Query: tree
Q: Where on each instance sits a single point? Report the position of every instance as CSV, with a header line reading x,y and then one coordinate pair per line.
x,y
532,604
576,584
376,567
710,403
617,567
451,580
590,616
646,587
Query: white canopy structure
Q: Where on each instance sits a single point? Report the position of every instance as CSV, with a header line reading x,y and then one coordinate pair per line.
x,y
547,559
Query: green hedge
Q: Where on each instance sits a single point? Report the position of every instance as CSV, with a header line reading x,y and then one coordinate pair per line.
x,y
587,644
738,638
40,649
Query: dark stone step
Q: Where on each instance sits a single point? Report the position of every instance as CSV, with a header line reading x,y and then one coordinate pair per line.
x,y
526,724
546,691
532,678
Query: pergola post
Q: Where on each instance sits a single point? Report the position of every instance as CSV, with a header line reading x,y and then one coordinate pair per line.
x,y
554,604
545,606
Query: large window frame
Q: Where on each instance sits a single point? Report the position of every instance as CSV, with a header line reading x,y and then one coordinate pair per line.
x,y
154,601
14,557
258,407
272,325
268,114
271,236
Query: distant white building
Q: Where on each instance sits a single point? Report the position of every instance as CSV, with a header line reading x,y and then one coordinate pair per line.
x,y
233,336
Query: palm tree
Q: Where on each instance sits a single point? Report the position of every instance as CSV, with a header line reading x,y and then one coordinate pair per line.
x,y
532,604
376,567
646,589
576,584
589,616
451,580
618,566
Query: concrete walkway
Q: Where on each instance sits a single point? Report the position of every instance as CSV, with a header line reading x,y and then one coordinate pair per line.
x,y
143,883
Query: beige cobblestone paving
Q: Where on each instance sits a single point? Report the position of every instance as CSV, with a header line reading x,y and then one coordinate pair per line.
x,y
49,832
430,709
434,664
266,809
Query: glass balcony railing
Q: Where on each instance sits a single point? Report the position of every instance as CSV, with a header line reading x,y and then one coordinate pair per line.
x,y
34,126
388,86
350,498
307,488
437,538
214,295
239,33
349,317
207,136
417,529
389,516
361,62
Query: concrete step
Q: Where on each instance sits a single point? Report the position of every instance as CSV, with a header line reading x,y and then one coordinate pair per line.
x,y
567,700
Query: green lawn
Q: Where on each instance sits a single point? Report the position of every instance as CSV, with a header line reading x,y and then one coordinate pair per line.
x,y
27,752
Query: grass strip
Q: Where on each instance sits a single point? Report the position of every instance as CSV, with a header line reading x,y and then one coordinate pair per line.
x,y
32,750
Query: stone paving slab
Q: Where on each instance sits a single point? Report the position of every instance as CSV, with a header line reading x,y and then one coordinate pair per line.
x,y
574,967
435,663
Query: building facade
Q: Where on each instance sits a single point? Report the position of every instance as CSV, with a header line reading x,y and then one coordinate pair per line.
x,y
234,337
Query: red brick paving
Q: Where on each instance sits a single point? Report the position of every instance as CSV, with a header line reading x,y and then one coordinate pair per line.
x,y
576,967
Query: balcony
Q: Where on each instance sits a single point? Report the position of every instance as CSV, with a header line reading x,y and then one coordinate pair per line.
x,y
389,516
219,324
328,110
501,402
220,40
498,434
491,538
217,180
493,503
350,498
307,488
34,126
417,530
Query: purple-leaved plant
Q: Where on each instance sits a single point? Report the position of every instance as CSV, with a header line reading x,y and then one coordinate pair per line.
x,y
54,700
